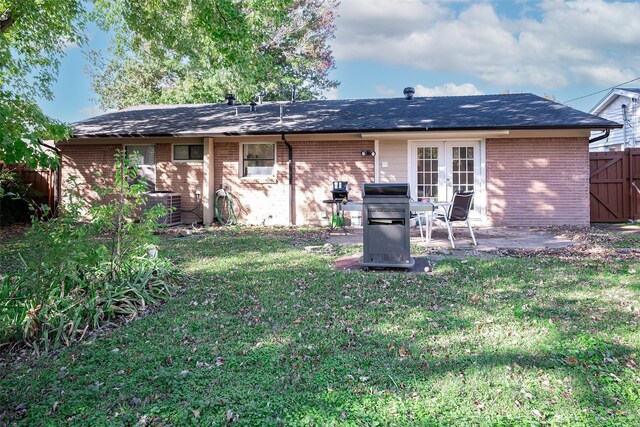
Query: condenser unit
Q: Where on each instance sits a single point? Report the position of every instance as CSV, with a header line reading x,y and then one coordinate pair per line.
x,y
169,200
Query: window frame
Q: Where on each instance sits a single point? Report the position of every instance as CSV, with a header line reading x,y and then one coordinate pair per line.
x,y
182,144
258,177
134,146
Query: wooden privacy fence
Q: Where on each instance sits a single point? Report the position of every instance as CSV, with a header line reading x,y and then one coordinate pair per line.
x,y
43,182
614,185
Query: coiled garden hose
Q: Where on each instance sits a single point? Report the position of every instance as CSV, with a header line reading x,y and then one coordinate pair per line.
x,y
225,213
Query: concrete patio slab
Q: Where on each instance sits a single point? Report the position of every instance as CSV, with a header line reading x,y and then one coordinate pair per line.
x,y
488,238
491,240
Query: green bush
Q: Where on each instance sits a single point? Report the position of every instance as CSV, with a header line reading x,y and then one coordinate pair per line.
x,y
15,198
78,273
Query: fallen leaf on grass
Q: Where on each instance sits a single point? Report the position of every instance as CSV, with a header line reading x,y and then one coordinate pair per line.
x,y
538,414
571,361
403,352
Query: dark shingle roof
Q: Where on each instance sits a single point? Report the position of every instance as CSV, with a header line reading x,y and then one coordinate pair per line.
x,y
482,112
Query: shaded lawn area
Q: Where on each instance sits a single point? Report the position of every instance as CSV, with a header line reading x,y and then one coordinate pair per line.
x,y
267,334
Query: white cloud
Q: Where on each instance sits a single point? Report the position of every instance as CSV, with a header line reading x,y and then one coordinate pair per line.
x,y
448,89
568,42
386,91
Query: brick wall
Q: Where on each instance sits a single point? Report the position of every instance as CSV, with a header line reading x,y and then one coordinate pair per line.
x,y
180,177
85,160
538,181
316,165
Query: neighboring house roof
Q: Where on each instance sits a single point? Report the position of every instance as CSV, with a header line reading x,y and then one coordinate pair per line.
x,y
633,93
482,112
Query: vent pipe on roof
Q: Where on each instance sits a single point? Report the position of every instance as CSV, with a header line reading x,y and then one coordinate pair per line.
x,y
408,93
231,99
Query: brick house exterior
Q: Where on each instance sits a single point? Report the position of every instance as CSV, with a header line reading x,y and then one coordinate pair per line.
x,y
543,181
534,175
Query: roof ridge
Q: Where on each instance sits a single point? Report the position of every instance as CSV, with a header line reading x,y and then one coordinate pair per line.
x,y
140,107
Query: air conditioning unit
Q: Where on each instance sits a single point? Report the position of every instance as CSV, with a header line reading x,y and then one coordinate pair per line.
x,y
169,200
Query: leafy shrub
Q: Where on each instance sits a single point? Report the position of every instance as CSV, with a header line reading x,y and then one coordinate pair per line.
x,y
77,273
15,197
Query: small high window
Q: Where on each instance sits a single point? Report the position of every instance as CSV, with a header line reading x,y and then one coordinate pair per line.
x,y
188,152
258,160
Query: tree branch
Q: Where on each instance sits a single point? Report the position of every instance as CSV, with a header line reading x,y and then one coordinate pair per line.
x,y
226,23
6,20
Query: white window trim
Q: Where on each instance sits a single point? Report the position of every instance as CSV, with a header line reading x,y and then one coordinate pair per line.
x,y
258,177
187,160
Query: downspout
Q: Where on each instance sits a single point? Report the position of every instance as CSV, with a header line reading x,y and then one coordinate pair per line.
x,y
58,195
291,194
600,137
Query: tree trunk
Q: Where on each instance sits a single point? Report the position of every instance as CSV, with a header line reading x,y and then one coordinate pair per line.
x,y
6,21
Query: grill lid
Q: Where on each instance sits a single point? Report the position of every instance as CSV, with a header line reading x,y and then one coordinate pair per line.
x,y
386,189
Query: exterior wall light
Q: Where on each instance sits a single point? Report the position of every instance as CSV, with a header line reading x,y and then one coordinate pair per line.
x,y
365,153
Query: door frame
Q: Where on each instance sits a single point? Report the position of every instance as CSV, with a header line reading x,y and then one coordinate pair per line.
x,y
479,214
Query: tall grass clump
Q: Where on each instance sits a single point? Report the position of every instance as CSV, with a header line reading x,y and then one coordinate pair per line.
x,y
85,266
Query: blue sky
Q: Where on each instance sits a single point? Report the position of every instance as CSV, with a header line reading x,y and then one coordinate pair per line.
x,y
566,49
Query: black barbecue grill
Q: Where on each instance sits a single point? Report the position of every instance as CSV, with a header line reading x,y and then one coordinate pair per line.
x,y
386,211
340,190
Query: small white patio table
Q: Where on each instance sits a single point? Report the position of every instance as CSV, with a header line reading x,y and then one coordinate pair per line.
x,y
427,208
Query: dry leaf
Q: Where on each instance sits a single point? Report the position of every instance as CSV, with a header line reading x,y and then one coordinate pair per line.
x,y
404,352
571,361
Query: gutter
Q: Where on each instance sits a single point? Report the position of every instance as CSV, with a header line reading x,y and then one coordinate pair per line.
x,y
292,203
600,137
208,134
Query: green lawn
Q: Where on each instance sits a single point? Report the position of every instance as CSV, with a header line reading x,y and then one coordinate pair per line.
x,y
265,333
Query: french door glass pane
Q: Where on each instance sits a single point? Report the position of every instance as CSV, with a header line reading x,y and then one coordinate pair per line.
x,y
462,169
427,172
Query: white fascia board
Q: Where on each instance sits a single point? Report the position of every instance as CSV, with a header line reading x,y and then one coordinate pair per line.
x,y
434,134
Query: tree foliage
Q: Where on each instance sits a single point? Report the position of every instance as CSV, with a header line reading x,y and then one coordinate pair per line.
x,y
164,51
33,36
195,51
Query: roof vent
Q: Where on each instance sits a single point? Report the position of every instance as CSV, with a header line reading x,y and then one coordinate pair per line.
x,y
408,93
230,99
252,106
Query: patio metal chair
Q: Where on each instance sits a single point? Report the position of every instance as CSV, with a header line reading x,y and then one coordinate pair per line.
x,y
458,211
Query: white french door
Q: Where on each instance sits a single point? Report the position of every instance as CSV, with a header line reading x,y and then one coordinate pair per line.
x,y
439,168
